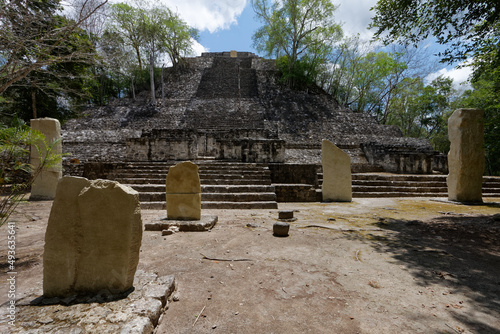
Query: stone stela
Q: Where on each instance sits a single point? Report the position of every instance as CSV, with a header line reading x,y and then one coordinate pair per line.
x,y
93,238
183,191
466,156
45,184
183,195
337,180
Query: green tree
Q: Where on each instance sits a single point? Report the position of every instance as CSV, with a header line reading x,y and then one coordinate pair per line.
x,y
30,41
179,39
364,80
465,26
55,90
16,174
367,79
151,33
484,96
423,110
300,31
125,21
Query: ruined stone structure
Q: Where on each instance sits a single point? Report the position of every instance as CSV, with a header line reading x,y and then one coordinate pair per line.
x,y
256,142
230,106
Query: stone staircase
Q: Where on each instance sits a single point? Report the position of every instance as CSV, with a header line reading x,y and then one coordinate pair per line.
x,y
236,185
401,185
224,185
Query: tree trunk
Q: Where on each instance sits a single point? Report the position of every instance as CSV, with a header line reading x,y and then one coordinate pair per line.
x,y
33,101
162,86
133,89
152,78
138,54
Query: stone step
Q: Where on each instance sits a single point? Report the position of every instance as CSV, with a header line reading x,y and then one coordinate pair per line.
x,y
214,197
204,182
399,177
203,175
208,168
399,194
402,189
230,185
240,205
208,188
236,182
491,190
409,194
238,197
216,205
398,183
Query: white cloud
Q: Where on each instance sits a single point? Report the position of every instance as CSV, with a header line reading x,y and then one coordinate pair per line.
x,y
355,16
198,49
207,14
459,74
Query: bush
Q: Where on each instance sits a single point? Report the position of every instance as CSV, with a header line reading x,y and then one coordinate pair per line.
x,y
16,172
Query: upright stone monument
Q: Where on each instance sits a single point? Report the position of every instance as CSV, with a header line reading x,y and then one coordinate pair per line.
x,y
93,238
466,156
183,192
45,183
337,180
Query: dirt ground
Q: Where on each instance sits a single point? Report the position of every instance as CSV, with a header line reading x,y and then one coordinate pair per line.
x,y
381,265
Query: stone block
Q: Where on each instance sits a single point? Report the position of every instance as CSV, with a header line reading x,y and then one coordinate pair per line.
x,y
337,180
285,214
93,238
183,192
466,156
281,229
45,184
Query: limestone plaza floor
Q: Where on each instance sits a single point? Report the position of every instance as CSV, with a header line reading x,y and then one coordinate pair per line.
x,y
375,265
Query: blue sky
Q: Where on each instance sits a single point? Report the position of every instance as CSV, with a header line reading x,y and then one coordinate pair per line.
x,y
226,25
237,37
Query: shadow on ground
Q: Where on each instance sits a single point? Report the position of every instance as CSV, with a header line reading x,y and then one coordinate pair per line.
x,y
458,252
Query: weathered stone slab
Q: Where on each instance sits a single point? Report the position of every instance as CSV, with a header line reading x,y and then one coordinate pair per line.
x,y
45,184
337,180
466,156
183,192
204,224
93,238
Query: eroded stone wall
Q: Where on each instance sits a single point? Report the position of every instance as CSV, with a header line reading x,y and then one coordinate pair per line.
x,y
232,145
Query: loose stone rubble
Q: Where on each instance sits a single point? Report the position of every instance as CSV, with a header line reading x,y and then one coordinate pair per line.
x,y
183,192
93,238
337,181
466,156
138,313
45,183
